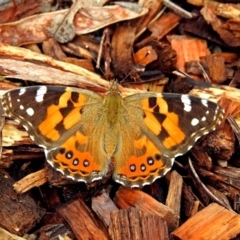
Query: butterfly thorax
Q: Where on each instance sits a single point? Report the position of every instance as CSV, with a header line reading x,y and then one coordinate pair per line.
x,y
113,105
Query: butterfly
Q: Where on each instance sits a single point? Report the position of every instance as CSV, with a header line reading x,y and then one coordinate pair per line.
x,y
83,132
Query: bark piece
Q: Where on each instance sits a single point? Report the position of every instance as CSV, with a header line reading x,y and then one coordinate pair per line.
x,y
83,47
154,8
199,27
220,26
81,221
87,64
216,68
103,206
133,224
162,56
121,54
201,157
52,48
55,231
190,203
174,196
230,174
126,198
184,46
50,71
32,180
18,213
13,135
162,26
206,194
212,223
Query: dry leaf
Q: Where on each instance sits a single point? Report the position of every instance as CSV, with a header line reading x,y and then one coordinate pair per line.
x,y
34,29
62,27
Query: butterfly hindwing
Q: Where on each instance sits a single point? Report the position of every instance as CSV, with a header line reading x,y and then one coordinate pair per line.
x,y
139,161
80,157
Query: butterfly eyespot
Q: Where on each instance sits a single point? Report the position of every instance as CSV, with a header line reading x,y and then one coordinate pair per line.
x,y
75,161
150,161
86,163
143,167
69,154
132,167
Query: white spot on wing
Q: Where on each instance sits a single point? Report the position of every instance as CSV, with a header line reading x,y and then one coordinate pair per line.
x,y
186,102
21,107
40,93
194,122
22,91
30,111
204,102
204,119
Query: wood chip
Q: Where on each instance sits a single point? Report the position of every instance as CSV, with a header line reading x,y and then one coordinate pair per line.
x,y
126,198
137,225
103,206
20,213
184,46
32,180
212,223
174,196
82,221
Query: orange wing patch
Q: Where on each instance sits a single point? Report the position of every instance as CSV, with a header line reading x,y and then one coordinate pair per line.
x,y
62,116
161,122
72,159
145,165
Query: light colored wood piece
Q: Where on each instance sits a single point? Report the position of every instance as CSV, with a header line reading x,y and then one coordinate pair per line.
x,y
32,180
188,49
212,223
175,193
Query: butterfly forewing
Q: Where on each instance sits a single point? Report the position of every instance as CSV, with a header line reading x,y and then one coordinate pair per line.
x,y
182,120
47,112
